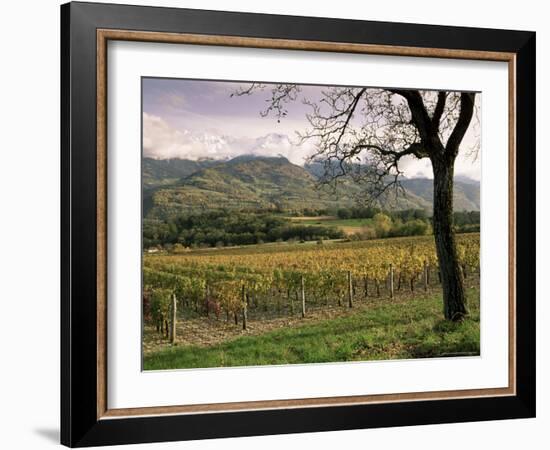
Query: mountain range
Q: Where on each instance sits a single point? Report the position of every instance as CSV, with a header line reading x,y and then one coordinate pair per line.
x,y
176,186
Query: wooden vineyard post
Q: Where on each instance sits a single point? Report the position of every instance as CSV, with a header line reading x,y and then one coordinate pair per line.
x,y
206,298
350,290
173,319
428,274
425,276
303,292
244,308
391,280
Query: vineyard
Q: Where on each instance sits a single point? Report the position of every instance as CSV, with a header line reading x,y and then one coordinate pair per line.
x,y
240,286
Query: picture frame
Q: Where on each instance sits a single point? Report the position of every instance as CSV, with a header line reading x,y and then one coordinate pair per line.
x,y
86,29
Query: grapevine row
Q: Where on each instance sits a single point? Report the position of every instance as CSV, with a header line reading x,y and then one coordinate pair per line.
x,y
236,282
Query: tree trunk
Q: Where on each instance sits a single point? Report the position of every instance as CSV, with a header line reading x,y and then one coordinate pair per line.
x,y
454,303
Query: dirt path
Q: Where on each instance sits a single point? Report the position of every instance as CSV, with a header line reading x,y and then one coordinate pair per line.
x,y
205,331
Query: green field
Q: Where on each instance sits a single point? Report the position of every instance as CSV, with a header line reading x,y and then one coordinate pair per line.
x,y
380,329
333,221
348,226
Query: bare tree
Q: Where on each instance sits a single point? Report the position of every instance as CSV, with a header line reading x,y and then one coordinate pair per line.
x,y
364,134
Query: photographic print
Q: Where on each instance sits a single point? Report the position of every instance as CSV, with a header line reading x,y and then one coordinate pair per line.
x,y
286,223
297,199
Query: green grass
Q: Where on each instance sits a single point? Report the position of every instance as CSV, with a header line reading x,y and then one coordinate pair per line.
x,y
335,222
389,330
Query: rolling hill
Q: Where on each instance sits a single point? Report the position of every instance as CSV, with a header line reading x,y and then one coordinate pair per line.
x,y
176,186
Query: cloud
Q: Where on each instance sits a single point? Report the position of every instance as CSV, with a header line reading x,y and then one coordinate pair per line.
x,y
162,141
465,165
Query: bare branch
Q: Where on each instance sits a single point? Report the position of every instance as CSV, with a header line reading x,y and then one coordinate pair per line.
x,y
467,100
281,94
363,133
418,110
249,90
439,108
349,113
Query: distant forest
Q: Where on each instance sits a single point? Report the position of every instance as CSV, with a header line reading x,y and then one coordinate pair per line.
x,y
222,228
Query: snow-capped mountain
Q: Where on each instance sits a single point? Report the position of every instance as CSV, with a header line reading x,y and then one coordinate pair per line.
x,y
161,141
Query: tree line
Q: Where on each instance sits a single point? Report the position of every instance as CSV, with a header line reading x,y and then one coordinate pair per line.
x,y
226,228
223,228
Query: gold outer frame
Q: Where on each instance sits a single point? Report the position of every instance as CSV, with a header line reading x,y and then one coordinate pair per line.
x,y
104,35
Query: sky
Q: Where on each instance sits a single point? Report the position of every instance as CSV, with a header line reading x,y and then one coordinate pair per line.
x,y
194,119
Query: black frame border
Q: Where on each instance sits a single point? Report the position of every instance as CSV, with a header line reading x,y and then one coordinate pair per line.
x,y
79,424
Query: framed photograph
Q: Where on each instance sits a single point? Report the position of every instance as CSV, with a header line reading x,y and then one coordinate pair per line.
x,y
276,224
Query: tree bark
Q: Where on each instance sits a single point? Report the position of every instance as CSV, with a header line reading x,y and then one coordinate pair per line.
x,y
454,302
